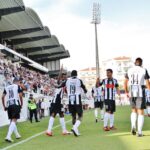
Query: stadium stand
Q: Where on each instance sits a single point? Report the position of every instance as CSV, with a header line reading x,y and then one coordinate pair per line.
x,y
28,51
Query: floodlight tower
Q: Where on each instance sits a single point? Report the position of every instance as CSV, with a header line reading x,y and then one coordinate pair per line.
x,y
96,19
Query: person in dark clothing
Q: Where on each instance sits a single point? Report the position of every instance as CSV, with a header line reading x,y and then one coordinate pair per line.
x,y
32,108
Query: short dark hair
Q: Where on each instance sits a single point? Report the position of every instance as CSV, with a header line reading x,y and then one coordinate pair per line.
x,y
138,61
64,74
110,70
15,80
74,73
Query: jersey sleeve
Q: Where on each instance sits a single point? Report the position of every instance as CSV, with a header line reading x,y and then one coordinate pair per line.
x,y
63,84
92,91
83,87
146,75
126,76
19,89
102,83
4,92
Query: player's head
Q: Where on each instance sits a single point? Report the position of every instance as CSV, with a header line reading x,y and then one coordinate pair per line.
x,y
109,73
16,81
64,76
74,73
138,61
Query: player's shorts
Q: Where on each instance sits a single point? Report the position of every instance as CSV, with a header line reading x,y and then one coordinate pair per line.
x,y
99,104
76,109
14,112
56,108
138,102
110,105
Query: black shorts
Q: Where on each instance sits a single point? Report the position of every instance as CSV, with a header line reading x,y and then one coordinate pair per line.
x,y
14,112
76,109
138,102
110,105
99,104
56,108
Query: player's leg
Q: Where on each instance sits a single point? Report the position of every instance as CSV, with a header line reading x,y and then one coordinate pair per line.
x,y
148,111
140,121
17,116
63,123
79,111
106,115
96,111
112,111
51,123
13,114
10,131
140,110
18,136
102,110
133,116
148,108
96,114
73,113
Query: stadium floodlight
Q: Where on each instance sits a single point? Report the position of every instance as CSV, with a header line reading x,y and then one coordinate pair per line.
x,y
96,20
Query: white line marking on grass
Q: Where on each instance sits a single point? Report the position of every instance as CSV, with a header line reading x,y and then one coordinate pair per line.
x,y
32,137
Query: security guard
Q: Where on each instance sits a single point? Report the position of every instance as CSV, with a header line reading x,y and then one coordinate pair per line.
x,y
32,108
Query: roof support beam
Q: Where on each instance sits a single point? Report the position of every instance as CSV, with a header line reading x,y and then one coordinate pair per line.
x,y
33,49
52,59
64,54
35,57
8,34
6,11
30,39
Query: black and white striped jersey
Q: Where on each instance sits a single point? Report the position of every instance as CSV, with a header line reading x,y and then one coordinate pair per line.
x,y
110,87
97,92
137,76
58,95
12,94
75,87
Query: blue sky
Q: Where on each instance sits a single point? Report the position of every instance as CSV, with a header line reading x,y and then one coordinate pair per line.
x,y
126,10
113,10
124,29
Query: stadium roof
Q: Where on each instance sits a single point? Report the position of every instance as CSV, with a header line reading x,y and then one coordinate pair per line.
x,y
50,54
48,51
33,36
30,62
53,57
22,27
19,23
39,43
11,6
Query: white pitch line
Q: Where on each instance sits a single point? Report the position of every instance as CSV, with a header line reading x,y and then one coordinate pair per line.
x,y
28,139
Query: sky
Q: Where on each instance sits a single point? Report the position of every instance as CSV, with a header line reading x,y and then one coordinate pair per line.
x,y
124,29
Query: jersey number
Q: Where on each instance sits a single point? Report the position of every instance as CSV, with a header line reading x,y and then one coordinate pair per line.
x,y
134,79
72,89
11,94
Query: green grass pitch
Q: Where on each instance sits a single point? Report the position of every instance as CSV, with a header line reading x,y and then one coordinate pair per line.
x,y
92,138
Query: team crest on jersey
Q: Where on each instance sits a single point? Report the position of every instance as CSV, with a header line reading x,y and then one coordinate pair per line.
x,y
110,86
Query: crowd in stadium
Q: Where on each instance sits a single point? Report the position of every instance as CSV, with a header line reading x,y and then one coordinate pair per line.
x,y
32,81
